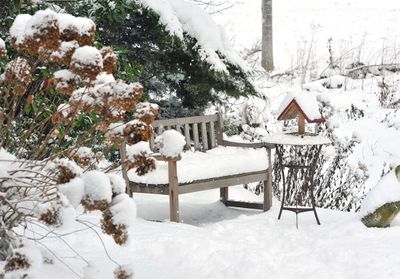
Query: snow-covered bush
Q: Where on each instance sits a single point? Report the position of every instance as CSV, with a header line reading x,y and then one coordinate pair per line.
x,y
88,99
54,59
124,272
170,143
389,95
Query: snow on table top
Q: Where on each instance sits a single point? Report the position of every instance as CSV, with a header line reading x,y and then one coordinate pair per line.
x,y
295,139
307,102
217,162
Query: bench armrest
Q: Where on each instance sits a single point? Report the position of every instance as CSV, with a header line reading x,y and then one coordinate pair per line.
x,y
160,157
245,144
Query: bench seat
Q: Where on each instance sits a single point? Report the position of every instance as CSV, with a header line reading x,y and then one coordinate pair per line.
x,y
215,163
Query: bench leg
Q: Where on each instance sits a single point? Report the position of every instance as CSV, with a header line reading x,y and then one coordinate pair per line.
x,y
173,192
268,185
223,193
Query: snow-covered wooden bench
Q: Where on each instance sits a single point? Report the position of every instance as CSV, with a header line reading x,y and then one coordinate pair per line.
x,y
208,162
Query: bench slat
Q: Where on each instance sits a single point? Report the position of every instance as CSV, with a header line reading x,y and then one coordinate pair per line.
x,y
187,136
185,120
219,182
212,134
196,137
201,185
204,137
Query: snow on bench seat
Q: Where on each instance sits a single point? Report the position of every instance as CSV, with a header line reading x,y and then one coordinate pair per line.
x,y
217,162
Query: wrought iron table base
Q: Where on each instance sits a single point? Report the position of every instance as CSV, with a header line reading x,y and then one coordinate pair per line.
x,y
311,171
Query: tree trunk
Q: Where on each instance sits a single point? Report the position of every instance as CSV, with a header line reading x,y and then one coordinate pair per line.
x,y
267,54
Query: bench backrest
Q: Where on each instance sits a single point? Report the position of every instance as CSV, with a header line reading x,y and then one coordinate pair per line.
x,y
201,132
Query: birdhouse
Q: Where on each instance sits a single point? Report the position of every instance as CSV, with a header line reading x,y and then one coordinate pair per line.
x,y
302,106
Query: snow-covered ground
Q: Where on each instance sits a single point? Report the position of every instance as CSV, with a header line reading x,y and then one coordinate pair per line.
x,y
218,242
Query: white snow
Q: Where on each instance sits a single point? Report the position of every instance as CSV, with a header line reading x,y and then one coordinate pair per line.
x,y
17,30
32,254
218,242
2,44
87,55
83,152
97,186
64,75
136,149
170,143
179,17
290,139
217,162
39,21
387,190
117,183
81,25
74,191
123,210
307,102
64,109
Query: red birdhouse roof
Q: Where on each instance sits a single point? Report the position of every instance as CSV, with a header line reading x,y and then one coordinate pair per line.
x,y
306,104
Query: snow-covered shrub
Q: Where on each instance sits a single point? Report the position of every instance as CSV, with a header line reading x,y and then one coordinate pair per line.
x,y
170,143
117,183
118,217
23,261
124,272
83,156
55,81
98,190
88,99
389,94
138,156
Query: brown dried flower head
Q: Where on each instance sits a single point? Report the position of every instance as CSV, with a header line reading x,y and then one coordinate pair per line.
x,y
66,81
118,232
16,261
142,162
18,74
91,205
146,112
42,30
86,62
51,216
80,29
83,156
133,132
123,272
109,59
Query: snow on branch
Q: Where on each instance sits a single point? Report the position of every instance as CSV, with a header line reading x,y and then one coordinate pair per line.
x,y
182,18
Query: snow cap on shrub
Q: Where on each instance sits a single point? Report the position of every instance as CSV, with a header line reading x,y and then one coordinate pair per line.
x,y
73,190
98,193
23,261
170,143
117,183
